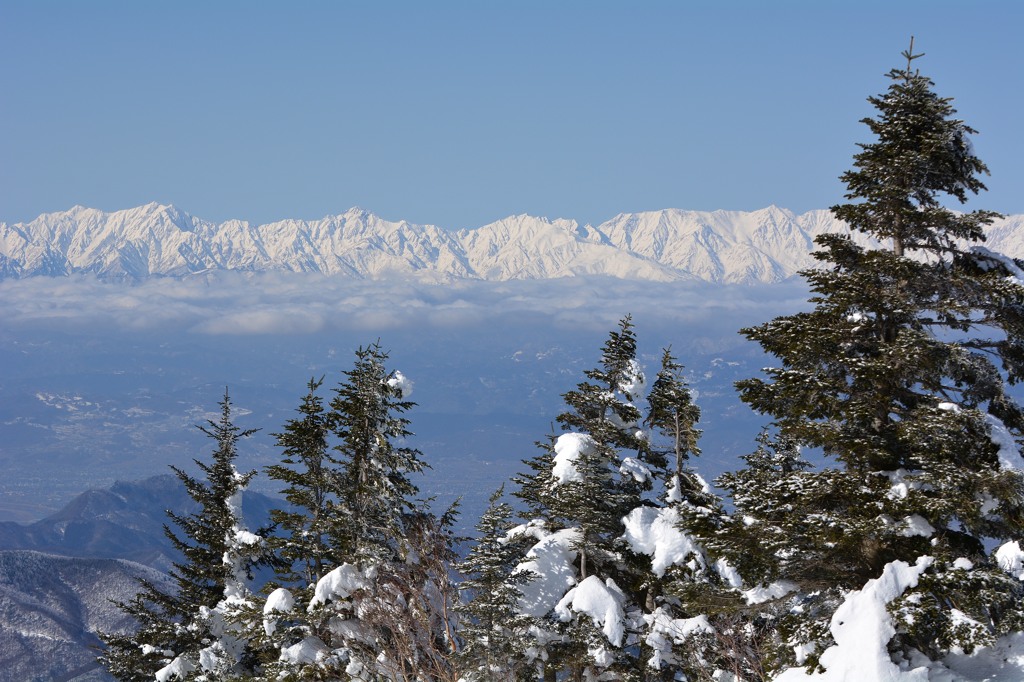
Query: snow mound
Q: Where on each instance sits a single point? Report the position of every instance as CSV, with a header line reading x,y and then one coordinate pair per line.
x,y
569,447
401,384
602,601
656,533
1002,662
278,601
763,593
309,650
1011,559
338,584
631,466
178,669
1016,274
1009,454
665,631
552,560
633,382
862,628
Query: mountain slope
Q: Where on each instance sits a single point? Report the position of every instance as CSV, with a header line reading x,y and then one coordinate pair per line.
x,y
124,521
51,608
768,245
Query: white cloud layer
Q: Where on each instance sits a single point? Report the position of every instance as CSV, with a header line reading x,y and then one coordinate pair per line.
x,y
290,304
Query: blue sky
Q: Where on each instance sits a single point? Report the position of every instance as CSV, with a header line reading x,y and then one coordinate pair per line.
x,y
460,113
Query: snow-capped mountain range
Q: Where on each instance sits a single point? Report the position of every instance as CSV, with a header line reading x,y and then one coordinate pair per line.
x,y
767,245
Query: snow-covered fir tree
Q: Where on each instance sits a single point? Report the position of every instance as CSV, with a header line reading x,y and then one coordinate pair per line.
x,y
602,536
673,415
897,375
375,491
683,586
364,589
764,495
188,634
300,545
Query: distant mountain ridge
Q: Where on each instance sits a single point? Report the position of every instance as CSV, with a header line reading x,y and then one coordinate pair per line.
x,y
124,521
752,247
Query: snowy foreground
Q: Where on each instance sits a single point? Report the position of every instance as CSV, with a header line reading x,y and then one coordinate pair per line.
x,y
862,629
561,602
862,626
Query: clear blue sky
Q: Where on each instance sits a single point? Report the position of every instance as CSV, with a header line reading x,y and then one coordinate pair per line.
x,y
460,113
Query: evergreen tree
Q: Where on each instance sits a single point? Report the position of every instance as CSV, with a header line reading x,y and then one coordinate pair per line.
x,y
687,591
375,491
576,494
595,493
762,537
175,629
897,375
301,548
605,545
310,489
672,414
368,592
493,628
534,488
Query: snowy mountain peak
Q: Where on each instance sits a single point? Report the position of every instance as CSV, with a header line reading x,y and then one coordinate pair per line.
x,y
765,245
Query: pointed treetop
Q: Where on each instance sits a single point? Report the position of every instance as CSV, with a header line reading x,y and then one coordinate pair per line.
x,y
910,56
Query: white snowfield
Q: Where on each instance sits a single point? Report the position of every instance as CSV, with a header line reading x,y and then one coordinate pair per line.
x,y
767,245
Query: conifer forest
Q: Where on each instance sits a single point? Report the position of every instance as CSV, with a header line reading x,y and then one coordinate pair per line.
x,y
608,557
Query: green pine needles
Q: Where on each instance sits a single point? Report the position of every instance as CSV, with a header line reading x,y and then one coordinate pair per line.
x,y
613,559
898,376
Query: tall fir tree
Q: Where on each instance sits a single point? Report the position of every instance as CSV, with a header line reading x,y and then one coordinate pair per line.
x,y
367,592
603,540
175,629
594,493
493,629
375,491
897,376
301,546
681,594
310,487
673,415
575,496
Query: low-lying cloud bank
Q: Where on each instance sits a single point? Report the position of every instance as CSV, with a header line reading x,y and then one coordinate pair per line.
x,y
300,304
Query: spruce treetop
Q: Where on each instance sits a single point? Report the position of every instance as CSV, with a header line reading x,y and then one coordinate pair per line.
x,y
898,375
922,154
